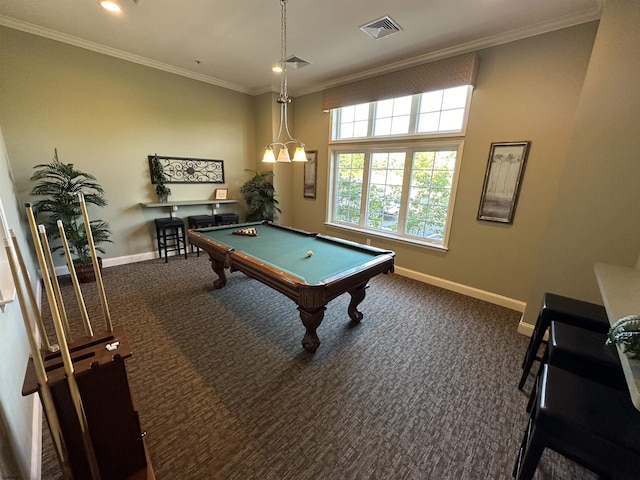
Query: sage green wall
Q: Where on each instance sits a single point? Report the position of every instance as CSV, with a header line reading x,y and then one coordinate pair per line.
x,y
312,127
106,115
16,411
596,215
526,90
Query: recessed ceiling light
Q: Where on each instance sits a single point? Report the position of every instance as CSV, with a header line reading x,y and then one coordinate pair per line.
x,y
111,6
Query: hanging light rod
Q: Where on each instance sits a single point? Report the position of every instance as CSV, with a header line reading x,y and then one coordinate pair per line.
x,y
284,101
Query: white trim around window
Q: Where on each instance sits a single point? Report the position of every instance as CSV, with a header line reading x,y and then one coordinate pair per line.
x,y
404,207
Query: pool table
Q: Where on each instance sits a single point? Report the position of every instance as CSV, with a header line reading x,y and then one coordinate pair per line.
x,y
308,268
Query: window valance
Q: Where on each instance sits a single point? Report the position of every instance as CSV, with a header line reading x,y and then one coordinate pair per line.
x,y
446,73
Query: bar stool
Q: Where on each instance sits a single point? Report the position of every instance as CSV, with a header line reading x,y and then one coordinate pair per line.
x,y
582,353
588,423
566,310
226,218
200,221
170,236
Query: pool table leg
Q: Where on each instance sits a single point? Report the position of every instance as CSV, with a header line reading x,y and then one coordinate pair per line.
x,y
357,296
218,268
311,321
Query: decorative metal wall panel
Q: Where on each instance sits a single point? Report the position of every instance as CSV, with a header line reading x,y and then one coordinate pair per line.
x,y
190,170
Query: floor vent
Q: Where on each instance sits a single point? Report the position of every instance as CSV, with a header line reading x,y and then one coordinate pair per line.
x,y
381,27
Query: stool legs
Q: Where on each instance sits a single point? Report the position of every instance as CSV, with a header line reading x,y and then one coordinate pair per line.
x,y
531,451
168,230
532,350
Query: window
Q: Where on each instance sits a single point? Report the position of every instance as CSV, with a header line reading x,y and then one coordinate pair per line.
x,y
395,163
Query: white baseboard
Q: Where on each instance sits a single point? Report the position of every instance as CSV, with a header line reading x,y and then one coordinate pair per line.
x,y
473,292
525,328
114,261
139,257
36,440
511,303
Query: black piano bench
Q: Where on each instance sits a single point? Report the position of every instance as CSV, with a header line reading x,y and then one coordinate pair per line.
x,y
566,310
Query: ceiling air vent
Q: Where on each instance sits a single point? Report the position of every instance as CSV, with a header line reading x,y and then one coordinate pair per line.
x,y
381,28
297,62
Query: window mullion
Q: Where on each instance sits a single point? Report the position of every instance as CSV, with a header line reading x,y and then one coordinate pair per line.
x,y
413,120
372,113
364,205
404,197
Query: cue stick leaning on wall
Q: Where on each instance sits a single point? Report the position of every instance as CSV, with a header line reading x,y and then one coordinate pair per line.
x,y
64,351
74,280
96,266
34,304
41,374
54,281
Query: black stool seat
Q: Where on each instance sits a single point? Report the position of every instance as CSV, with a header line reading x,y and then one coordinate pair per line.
x,y
590,424
200,221
170,236
574,312
226,218
584,353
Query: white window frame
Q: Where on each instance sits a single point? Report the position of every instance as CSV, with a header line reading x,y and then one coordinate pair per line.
x,y
413,125
409,143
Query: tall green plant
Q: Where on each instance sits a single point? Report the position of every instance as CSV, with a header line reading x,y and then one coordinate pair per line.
x,y
59,183
260,197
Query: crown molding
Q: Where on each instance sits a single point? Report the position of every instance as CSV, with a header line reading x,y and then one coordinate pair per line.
x,y
113,52
492,41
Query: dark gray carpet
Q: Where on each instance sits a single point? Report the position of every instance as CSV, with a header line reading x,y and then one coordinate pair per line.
x,y
423,388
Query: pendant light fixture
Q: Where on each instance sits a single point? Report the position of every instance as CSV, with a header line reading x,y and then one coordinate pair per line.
x,y
284,101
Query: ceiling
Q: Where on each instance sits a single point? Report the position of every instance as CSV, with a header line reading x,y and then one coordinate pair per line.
x,y
235,43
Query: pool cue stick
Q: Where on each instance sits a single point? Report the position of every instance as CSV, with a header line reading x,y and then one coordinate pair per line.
x,y
96,266
54,281
64,351
32,298
41,374
74,280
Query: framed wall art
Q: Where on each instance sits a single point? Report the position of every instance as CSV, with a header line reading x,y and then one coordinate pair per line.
x,y
502,181
189,170
310,174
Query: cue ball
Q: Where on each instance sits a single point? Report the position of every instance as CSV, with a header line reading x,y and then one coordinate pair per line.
x,y
309,253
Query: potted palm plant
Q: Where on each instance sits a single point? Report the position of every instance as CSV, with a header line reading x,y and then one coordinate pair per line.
x,y
59,184
260,197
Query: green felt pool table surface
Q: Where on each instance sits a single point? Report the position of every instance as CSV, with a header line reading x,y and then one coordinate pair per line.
x,y
286,249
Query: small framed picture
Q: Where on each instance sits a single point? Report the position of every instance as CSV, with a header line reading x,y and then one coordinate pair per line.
x,y
221,194
502,181
310,174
